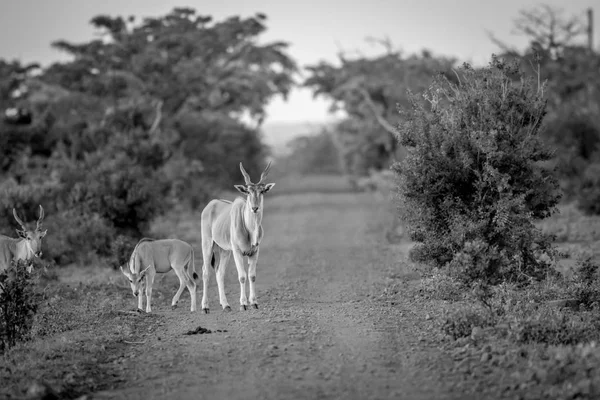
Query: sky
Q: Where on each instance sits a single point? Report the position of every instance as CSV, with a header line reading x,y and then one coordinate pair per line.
x,y
316,30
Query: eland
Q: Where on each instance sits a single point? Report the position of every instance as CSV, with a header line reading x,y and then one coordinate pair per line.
x,y
151,256
234,228
27,247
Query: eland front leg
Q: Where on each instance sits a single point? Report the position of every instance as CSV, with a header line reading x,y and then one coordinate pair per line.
x,y
140,296
149,282
239,263
252,261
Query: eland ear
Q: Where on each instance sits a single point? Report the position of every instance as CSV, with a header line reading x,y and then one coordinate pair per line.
x,y
122,270
144,271
268,187
241,189
22,234
42,234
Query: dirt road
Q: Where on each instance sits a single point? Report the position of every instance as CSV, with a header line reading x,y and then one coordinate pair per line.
x,y
321,332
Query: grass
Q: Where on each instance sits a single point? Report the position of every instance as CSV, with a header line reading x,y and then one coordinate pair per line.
x,y
80,340
535,342
576,234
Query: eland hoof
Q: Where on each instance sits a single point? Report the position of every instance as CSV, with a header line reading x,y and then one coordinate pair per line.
x,y
227,309
206,310
243,307
255,306
174,306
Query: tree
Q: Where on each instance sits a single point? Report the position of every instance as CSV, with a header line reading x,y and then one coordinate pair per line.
x,y
312,154
558,53
369,90
474,181
146,116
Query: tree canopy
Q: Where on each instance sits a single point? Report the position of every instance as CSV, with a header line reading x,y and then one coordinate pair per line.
x,y
152,110
369,90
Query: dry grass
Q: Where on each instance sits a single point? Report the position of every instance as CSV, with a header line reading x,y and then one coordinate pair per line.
x,y
79,341
577,235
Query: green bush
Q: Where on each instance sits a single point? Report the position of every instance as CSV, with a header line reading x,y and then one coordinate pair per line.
x,y
77,237
461,323
589,191
551,325
585,285
473,182
18,304
440,286
116,188
312,154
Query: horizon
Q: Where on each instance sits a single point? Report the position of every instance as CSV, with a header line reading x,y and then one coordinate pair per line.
x,y
315,31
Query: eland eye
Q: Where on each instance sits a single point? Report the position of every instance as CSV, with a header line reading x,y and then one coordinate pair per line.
x,y
130,281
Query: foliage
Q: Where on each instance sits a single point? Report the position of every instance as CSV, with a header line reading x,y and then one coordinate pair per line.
x,y
18,304
462,322
472,183
312,154
78,341
368,90
558,50
146,117
589,190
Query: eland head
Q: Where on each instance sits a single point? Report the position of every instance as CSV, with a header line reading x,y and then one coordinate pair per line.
x,y
136,280
254,191
32,238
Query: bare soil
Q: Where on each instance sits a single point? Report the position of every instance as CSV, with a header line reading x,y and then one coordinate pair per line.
x,y
322,329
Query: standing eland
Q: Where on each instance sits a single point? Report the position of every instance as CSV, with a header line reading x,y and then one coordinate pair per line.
x,y
159,256
234,227
27,247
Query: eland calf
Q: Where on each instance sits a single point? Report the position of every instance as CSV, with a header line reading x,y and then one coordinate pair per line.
x,y
151,256
234,228
27,247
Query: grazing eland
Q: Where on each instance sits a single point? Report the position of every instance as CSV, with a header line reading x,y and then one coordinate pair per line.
x,y
159,256
234,228
27,247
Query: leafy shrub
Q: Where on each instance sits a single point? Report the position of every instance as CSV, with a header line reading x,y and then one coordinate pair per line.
x,y
553,326
75,236
577,135
121,249
312,154
569,372
585,285
589,192
118,187
472,183
461,323
440,286
18,304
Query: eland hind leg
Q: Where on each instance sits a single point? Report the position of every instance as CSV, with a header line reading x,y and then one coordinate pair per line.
x,y
208,257
184,281
224,256
191,283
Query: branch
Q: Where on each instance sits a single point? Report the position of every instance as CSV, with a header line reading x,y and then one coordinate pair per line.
x,y
158,116
384,124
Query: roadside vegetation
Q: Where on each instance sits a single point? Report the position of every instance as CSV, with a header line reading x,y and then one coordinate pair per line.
x,y
493,173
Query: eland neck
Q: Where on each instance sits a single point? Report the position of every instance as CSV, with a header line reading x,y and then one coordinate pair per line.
x,y
22,250
252,221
